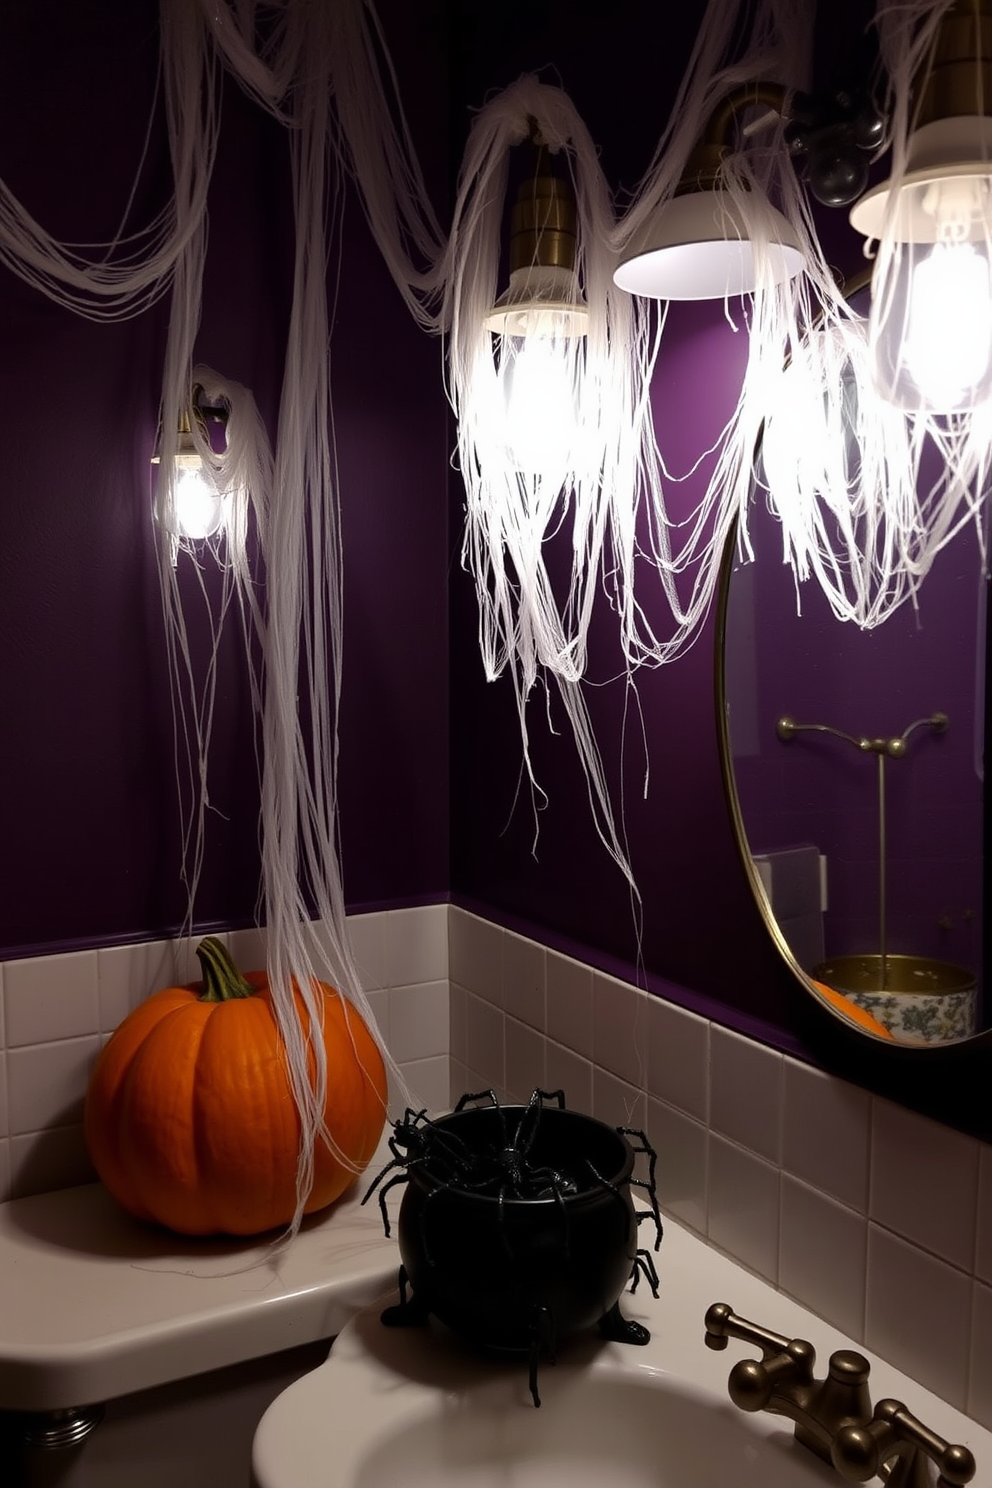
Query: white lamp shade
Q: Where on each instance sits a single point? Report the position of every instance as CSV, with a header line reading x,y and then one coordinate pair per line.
x,y
542,300
697,248
945,150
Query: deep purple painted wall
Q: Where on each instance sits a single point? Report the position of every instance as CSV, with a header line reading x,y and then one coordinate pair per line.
x,y
87,788
87,803
696,924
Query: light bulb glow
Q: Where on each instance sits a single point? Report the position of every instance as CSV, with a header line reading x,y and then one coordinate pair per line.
x,y
931,317
948,343
199,507
538,377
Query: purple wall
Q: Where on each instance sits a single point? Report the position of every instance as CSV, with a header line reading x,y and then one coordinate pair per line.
x,y
696,925
87,791
87,780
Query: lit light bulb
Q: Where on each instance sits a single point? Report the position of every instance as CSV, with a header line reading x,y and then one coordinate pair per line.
x,y
931,319
541,323
540,400
199,506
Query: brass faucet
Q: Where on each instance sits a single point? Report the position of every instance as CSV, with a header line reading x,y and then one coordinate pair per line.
x,y
833,1416
782,1381
895,1437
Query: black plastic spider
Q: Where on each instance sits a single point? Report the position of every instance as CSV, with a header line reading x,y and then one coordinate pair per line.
x,y
419,1142
502,1170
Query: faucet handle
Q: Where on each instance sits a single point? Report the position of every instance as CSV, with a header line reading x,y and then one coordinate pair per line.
x,y
860,1452
722,1324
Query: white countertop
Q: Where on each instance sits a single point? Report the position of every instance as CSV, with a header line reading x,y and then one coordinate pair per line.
x,y
324,1427
94,1304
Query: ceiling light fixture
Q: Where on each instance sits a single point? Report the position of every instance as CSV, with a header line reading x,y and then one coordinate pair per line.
x,y
701,245
930,328
539,319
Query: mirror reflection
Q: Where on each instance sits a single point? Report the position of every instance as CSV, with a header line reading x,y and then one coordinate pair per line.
x,y
856,759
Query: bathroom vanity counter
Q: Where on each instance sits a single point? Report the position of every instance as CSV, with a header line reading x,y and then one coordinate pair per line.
x,y
95,1305
424,1408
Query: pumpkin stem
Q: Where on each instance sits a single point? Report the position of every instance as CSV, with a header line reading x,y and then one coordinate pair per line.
x,y
222,981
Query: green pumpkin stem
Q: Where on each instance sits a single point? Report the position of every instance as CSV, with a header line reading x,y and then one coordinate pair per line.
x,y
222,981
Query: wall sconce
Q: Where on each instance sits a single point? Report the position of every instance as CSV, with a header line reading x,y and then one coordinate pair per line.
x,y
930,326
540,320
700,244
197,504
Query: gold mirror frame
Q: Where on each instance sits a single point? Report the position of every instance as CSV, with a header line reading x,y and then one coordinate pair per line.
x,y
832,1001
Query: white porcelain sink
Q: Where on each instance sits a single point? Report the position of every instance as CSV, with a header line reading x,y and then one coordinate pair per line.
x,y
416,1409
404,1409
624,1429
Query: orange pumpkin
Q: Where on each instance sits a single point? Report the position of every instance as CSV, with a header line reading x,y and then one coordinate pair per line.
x,y
190,1119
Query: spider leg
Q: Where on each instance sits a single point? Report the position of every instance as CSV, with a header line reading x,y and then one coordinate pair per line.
x,y
644,1266
644,1148
403,1177
477,1095
397,1162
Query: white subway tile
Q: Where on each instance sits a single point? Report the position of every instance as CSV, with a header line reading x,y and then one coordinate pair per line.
x,y
746,1093
43,1160
128,974
4,1127
419,1021
744,1205
918,1315
524,1060
51,997
461,1078
616,1102
5,1192
429,1082
678,1058
475,955
680,1173
619,1029
569,1003
378,1000
826,1133
980,1371
418,945
47,1083
983,1238
924,1182
523,980
249,948
823,1249
567,1071
484,1041
369,936
458,1024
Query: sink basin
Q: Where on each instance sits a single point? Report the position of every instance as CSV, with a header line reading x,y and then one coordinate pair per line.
x,y
630,1429
419,1408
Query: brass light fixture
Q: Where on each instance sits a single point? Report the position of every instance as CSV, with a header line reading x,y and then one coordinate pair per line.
x,y
198,505
544,297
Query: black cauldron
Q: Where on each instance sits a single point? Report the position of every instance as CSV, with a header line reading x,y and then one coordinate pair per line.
x,y
510,1272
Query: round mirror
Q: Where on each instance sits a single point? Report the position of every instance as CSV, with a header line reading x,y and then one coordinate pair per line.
x,y
854,767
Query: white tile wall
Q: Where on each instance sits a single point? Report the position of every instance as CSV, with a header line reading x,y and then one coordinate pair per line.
x,y
875,1218
56,1011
